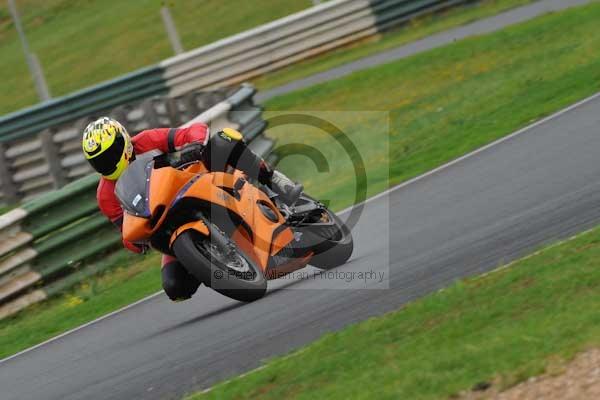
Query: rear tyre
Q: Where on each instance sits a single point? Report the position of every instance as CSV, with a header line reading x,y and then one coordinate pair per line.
x,y
219,264
336,244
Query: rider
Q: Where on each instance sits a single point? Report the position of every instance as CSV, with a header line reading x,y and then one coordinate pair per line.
x,y
109,149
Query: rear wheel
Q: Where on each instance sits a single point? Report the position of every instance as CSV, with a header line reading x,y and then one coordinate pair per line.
x,y
336,244
217,261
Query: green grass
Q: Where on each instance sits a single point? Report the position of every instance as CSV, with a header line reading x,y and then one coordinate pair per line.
x,y
5,208
80,43
130,280
502,328
444,103
441,104
414,30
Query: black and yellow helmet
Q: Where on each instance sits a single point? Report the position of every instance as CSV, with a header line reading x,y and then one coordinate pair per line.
x,y
107,146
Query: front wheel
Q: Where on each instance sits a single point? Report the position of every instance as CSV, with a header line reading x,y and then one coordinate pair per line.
x,y
219,264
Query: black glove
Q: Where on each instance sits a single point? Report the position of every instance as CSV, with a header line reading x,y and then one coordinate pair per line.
x,y
190,153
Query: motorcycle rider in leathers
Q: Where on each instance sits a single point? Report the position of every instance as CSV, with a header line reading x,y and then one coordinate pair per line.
x,y
109,149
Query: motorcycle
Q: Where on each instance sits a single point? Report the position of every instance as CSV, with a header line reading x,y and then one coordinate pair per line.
x,y
229,233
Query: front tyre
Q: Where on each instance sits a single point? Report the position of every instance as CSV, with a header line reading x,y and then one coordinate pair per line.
x,y
218,263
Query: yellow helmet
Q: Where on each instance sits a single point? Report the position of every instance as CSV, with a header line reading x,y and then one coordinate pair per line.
x,y
107,146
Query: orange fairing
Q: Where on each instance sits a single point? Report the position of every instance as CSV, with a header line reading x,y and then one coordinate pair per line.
x,y
198,226
244,242
260,235
281,240
164,185
210,186
135,229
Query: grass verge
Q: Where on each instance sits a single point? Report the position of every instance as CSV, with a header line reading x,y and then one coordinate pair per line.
x,y
498,328
414,30
441,105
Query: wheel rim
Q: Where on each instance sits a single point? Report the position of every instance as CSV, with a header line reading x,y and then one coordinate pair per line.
x,y
227,258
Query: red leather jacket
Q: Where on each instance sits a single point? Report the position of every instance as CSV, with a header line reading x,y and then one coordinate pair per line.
x,y
151,139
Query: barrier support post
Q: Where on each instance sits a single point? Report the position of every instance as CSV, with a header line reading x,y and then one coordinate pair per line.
x,y
173,111
171,30
8,186
51,153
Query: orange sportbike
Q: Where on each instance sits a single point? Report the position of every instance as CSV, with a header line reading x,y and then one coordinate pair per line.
x,y
229,233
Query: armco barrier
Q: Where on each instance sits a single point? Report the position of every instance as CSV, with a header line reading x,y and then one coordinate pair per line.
x,y
288,40
25,171
41,246
52,158
137,85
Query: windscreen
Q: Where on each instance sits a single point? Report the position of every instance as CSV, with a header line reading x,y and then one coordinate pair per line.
x,y
132,186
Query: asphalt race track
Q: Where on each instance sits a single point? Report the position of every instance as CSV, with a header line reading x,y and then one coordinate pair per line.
x,y
491,207
477,213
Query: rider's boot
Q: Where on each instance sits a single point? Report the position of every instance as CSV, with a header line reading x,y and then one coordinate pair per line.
x,y
227,147
288,190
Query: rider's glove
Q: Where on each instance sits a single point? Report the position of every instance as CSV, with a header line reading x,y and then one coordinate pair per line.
x,y
189,153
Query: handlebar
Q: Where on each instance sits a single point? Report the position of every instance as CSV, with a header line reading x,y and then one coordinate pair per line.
x,y
190,153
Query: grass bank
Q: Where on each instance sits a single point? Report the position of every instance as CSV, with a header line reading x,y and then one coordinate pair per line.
x,y
498,329
80,43
132,36
415,30
441,104
444,103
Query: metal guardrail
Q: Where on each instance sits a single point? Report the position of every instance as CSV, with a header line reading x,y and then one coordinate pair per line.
x,y
52,158
36,148
41,246
137,85
289,40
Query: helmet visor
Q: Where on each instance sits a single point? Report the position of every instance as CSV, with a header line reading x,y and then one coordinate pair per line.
x,y
106,162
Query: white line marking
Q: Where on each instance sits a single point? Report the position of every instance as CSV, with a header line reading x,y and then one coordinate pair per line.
x,y
535,253
477,151
377,196
225,382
